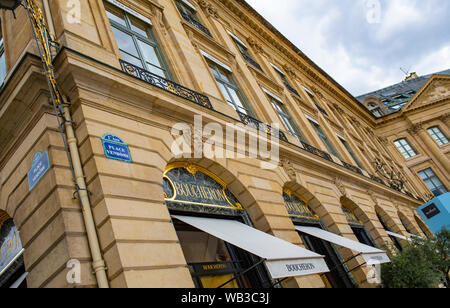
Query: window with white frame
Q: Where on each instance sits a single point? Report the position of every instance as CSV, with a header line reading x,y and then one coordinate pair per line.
x,y
286,118
136,42
405,148
324,138
229,89
433,182
438,135
189,13
350,151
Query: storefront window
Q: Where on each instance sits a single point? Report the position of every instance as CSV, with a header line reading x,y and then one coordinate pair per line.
x,y
213,263
357,227
303,215
194,191
386,228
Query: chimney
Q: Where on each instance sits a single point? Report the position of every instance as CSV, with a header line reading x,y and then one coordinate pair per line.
x,y
412,76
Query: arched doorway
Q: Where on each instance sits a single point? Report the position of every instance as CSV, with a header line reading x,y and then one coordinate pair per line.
x,y
355,217
12,266
191,190
423,227
384,222
406,223
303,215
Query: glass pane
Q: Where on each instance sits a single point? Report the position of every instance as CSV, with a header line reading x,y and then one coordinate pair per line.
x,y
236,98
140,27
149,53
2,68
115,15
223,75
225,93
214,71
125,42
133,60
156,70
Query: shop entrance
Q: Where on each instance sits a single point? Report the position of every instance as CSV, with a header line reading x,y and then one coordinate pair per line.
x,y
302,215
194,191
337,277
215,263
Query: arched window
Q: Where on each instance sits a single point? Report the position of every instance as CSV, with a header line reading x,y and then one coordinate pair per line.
x,y
357,227
386,228
302,215
12,267
190,190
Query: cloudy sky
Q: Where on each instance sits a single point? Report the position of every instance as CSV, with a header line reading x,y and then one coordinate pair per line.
x,y
363,47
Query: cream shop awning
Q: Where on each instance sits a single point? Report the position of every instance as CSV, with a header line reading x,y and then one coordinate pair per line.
x,y
282,258
402,237
370,254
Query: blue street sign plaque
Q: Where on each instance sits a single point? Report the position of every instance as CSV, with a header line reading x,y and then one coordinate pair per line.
x,y
39,167
116,149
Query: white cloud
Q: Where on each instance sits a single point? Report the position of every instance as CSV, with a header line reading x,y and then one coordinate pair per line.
x,y
399,15
364,57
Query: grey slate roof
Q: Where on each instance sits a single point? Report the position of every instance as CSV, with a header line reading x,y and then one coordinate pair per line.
x,y
396,96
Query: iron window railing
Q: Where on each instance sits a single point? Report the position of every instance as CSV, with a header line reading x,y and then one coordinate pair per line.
x,y
166,85
256,124
352,168
196,24
317,152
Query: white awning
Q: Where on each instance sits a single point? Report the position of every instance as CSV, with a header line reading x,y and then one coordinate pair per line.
x,y
282,258
370,254
402,237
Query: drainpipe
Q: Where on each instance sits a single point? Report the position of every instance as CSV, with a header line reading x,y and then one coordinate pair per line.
x,y
97,260
48,16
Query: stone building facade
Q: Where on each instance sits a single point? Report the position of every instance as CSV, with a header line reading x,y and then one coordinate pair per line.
x,y
137,69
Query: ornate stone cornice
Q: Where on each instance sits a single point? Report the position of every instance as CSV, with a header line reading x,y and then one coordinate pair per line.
x,y
445,117
416,128
208,8
257,47
289,70
355,121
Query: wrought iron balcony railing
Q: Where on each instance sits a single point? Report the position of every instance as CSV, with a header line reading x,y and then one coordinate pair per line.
x,y
352,168
165,84
377,179
317,152
251,61
256,124
196,24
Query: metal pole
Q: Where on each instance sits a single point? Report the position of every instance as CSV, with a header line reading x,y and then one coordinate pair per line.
x,y
241,274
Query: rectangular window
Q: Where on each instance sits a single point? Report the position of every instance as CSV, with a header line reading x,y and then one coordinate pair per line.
x,y
405,148
350,151
433,182
2,60
316,102
438,135
245,52
189,13
287,120
324,138
229,89
136,42
285,80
